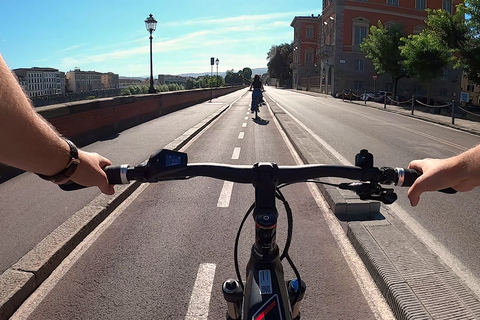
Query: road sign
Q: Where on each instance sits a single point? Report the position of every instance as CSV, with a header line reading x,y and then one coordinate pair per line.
x,y
374,76
465,96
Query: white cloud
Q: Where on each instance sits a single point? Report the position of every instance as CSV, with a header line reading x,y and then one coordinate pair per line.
x,y
222,37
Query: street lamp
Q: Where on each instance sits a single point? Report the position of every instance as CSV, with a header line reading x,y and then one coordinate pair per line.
x,y
151,24
217,62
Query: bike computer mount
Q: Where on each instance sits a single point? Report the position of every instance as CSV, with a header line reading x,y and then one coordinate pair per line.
x,y
164,162
371,190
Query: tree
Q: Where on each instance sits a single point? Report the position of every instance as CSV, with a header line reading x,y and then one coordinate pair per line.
x,y
279,64
425,57
382,48
247,74
460,32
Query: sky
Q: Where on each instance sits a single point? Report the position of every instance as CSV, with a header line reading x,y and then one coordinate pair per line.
x,y
110,36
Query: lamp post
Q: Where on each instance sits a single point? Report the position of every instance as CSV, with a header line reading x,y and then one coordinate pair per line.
x,y
217,62
151,24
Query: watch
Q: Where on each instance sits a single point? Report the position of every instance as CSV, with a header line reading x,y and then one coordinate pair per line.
x,y
70,168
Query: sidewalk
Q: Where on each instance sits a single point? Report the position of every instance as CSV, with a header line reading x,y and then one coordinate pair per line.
x,y
470,126
405,109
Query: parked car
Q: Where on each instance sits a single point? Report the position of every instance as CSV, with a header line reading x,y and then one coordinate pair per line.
x,y
369,96
346,95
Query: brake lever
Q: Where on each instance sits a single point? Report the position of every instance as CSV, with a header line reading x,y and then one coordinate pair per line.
x,y
368,191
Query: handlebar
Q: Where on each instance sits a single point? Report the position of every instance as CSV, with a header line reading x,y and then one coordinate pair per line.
x,y
247,174
172,165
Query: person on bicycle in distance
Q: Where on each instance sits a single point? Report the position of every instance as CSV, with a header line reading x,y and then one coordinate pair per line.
x,y
257,86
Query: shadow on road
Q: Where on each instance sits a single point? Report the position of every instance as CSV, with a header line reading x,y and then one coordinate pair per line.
x,y
260,121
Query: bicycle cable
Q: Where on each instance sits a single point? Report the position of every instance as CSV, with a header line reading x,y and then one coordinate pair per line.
x,y
285,254
279,195
235,249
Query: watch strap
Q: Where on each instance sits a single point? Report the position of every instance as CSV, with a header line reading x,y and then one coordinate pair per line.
x,y
70,168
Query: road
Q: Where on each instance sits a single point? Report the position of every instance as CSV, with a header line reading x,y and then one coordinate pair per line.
x,y
31,209
145,263
395,140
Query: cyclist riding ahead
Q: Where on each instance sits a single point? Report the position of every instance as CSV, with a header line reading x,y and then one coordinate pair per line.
x,y
257,96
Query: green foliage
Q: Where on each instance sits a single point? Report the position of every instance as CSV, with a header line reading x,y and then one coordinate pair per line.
x,y
382,47
425,55
280,58
450,28
460,33
243,76
205,81
247,74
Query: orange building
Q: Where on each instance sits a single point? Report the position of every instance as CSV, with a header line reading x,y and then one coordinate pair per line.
x,y
339,64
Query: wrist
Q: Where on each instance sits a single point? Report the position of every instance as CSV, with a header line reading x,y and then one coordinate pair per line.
x,y
70,167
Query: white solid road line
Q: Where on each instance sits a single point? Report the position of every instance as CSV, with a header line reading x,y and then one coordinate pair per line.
x,y
201,293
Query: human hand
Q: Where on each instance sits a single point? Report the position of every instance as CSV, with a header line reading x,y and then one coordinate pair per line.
x,y
434,177
461,173
90,171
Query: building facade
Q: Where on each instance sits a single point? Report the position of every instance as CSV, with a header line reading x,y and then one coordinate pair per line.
x,y
168,78
341,65
41,81
470,92
305,44
110,80
125,82
79,81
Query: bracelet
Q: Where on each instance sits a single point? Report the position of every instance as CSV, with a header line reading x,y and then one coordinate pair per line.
x,y
70,168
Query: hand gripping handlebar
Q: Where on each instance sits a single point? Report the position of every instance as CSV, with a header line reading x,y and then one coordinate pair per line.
x,y
172,165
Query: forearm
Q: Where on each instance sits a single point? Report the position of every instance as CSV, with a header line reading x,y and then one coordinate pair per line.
x,y
461,172
466,169
34,145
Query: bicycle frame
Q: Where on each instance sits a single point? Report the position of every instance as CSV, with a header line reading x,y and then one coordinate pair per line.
x,y
265,295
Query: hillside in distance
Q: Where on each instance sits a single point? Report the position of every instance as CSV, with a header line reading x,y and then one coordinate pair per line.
x,y
259,71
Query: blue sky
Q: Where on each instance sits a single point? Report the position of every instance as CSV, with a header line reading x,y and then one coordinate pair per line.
x,y
111,36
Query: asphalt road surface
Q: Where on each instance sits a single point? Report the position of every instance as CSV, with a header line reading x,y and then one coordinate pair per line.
x,y
144,265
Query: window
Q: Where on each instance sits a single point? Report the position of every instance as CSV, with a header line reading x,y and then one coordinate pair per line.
x,y
358,85
443,92
392,2
309,57
447,5
445,74
418,29
309,32
359,34
420,4
359,65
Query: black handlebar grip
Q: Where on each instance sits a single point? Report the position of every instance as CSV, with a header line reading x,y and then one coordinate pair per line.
x,y
409,177
117,174
406,177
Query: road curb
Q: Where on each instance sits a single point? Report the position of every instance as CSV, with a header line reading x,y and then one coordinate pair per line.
x,y
414,282
19,281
